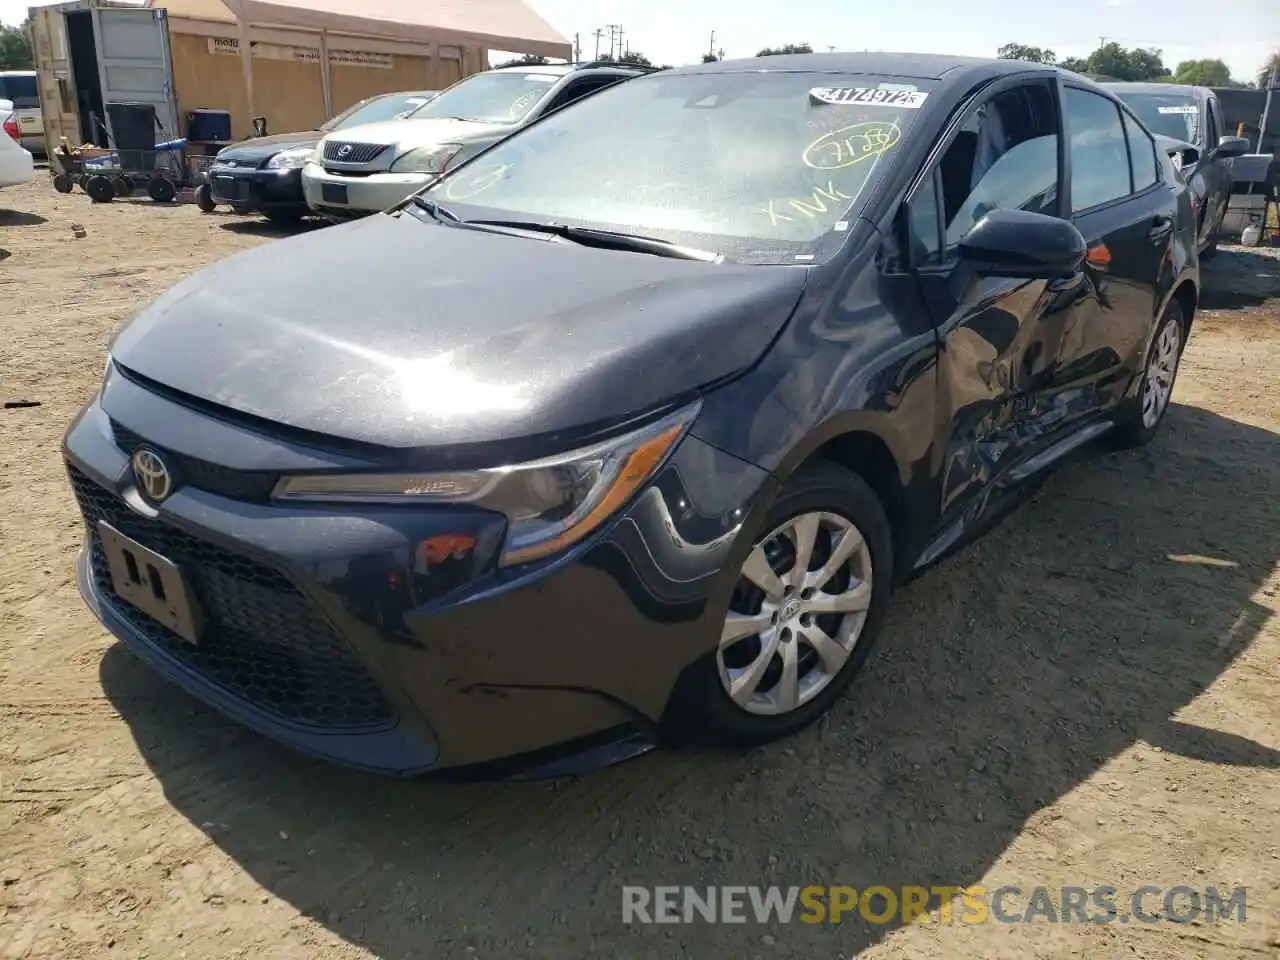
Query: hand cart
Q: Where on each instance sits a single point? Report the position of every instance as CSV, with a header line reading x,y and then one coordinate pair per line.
x,y
105,174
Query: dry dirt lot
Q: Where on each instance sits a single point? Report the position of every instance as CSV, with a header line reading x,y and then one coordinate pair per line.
x,y
1088,696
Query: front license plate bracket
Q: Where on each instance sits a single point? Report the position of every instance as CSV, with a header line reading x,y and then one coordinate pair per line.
x,y
151,583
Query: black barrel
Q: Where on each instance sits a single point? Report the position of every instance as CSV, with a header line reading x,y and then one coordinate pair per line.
x,y
209,126
133,127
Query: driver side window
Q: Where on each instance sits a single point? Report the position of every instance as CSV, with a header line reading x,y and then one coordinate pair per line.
x,y
1004,157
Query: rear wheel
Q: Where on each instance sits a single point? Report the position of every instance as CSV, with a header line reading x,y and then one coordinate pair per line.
x,y
161,189
63,183
806,608
1143,414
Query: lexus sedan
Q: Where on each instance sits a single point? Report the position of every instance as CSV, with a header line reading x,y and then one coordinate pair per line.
x,y
623,433
1192,115
264,174
366,170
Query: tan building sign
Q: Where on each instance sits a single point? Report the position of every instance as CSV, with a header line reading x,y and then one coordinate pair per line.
x,y
230,46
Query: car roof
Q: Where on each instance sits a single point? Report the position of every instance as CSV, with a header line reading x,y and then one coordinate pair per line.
x,y
564,69
1170,89
920,66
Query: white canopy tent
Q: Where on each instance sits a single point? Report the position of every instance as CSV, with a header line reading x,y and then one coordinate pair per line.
x,y
493,24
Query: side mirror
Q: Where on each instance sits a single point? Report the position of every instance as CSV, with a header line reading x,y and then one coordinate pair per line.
x,y
1231,147
1017,243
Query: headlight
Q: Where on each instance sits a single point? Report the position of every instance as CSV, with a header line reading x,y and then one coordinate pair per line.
x,y
293,159
427,159
549,504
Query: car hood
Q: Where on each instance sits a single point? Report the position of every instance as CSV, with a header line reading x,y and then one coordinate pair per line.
x,y
259,149
412,134
402,333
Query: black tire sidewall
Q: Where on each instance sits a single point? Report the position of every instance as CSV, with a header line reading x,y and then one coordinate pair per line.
x,y
819,486
1132,432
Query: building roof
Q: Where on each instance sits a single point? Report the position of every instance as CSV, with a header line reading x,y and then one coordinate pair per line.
x,y
493,24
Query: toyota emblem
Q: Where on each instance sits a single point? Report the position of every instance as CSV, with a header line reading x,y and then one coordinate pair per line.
x,y
345,150
151,474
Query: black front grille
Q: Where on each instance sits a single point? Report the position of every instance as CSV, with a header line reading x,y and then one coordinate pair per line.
x,y
354,152
201,474
263,642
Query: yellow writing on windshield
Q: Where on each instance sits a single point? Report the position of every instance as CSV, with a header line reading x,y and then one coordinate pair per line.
x,y
780,211
471,183
852,144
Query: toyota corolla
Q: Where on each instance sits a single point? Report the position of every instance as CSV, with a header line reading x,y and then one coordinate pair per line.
x,y
623,431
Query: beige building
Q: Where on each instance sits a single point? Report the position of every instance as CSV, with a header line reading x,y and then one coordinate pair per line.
x,y
309,59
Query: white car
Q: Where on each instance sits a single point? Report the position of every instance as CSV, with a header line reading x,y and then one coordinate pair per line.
x,y
366,169
15,163
19,86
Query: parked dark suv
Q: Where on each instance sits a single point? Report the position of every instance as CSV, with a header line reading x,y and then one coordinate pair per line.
x,y
1192,115
624,431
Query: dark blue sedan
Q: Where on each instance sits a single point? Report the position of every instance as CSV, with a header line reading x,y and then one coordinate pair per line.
x,y
623,431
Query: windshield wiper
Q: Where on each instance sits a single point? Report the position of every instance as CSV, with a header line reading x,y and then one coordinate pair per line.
x,y
436,210
606,239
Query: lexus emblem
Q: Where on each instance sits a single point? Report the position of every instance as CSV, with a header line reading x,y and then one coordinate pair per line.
x,y
345,150
151,474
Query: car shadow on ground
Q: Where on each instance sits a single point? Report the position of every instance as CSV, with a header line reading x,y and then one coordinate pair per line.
x,y
1239,277
1006,677
17,218
257,227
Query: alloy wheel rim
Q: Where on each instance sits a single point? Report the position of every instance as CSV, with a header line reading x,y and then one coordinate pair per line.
x,y
1157,386
797,612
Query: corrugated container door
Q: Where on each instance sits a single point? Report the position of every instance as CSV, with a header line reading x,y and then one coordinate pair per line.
x,y
136,64
54,77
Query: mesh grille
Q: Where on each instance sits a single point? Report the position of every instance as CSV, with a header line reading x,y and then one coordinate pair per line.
x,y
355,152
264,642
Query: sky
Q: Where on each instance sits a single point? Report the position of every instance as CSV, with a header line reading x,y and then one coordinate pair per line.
x,y
679,31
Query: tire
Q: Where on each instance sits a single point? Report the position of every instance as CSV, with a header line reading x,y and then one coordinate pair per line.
x,y
124,186
766,712
63,183
161,189
100,189
204,198
1133,428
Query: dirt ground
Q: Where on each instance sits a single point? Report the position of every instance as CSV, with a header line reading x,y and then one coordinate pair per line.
x,y
1086,697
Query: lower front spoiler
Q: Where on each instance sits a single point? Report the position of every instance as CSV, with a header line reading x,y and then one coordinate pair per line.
x,y
396,752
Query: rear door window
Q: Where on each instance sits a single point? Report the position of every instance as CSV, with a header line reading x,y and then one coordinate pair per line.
x,y
1143,160
21,90
1099,150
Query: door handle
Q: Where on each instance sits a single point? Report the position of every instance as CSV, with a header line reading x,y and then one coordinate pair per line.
x,y
1161,227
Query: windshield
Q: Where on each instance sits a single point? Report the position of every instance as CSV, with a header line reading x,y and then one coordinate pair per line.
x,y
1169,115
759,166
390,107
501,97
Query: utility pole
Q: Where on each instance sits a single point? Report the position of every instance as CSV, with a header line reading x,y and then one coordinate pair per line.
x,y
599,33
577,49
615,32
712,48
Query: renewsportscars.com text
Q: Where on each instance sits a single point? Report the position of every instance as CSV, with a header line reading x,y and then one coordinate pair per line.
x,y
910,904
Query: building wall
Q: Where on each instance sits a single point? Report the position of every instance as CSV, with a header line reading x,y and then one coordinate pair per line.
x,y
287,84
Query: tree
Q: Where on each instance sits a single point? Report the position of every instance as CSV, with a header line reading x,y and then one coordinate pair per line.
x,y
1269,68
788,48
1075,65
1020,51
710,58
528,60
632,56
1119,63
15,47
1203,73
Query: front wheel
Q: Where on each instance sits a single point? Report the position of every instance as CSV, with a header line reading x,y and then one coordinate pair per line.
x,y
806,608
1143,415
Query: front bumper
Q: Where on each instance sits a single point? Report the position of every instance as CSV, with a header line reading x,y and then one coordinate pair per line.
x,y
250,190
363,194
324,634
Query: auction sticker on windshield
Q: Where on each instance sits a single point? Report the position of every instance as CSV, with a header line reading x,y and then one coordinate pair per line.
x,y
874,96
1188,108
